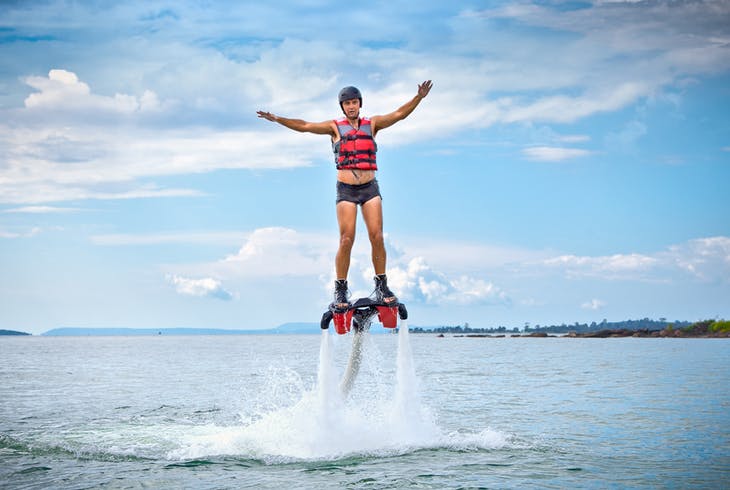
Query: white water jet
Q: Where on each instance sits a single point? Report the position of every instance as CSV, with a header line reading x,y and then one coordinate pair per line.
x,y
407,404
325,373
353,364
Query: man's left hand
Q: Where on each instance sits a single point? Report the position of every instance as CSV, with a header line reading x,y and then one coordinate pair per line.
x,y
424,88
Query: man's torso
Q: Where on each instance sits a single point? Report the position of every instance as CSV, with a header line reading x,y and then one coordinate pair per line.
x,y
353,176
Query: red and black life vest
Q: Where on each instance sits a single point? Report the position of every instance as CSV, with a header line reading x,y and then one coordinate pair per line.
x,y
356,147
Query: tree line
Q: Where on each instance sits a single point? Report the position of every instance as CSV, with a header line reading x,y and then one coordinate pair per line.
x,y
642,324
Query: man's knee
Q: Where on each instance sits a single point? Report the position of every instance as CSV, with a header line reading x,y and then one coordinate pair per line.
x,y
376,237
346,241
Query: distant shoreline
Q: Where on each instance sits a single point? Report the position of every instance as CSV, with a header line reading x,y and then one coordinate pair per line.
x,y
605,334
644,328
701,329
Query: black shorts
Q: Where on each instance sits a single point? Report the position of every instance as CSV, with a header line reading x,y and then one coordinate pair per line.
x,y
359,194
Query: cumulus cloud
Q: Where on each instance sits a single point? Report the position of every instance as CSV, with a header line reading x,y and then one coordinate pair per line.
x,y
278,251
205,287
418,281
62,89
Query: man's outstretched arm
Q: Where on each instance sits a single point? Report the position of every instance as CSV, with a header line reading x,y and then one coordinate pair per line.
x,y
387,120
324,127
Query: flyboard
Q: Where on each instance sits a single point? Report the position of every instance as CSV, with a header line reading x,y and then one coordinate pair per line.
x,y
358,316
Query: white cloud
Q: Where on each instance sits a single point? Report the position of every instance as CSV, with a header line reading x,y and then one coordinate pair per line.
x,y
205,287
418,281
574,138
614,54
21,234
39,192
566,109
617,266
63,90
41,210
73,157
594,304
553,154
277,251
705,259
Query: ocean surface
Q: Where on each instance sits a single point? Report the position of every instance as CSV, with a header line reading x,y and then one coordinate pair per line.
x,y
425,412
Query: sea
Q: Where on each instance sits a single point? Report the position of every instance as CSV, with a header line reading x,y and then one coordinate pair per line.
x,y
425,412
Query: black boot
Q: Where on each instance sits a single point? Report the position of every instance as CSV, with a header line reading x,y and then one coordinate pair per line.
x,y
383,294
342,295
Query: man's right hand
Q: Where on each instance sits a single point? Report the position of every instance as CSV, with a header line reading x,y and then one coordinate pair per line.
x,y
266,115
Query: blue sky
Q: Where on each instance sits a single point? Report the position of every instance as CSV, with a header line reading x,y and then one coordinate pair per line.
x,y
570,164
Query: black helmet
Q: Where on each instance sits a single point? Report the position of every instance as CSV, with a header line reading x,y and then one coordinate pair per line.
x,y
348,93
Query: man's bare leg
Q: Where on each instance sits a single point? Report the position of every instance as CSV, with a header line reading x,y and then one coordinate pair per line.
x,y
346,219
372,213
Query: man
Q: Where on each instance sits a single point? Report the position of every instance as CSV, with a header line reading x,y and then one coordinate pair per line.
x,y
353,142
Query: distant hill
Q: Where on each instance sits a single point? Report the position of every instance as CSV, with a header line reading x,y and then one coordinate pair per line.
x,y
12,332
300,327
287,328
85,332
293,328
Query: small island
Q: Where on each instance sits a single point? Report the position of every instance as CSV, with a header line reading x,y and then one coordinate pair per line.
x,y
12,332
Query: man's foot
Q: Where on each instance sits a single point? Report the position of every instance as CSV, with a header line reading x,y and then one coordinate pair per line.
x,y
383,293
342,295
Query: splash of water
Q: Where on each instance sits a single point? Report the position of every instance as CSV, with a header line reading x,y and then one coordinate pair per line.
x,y
325,424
